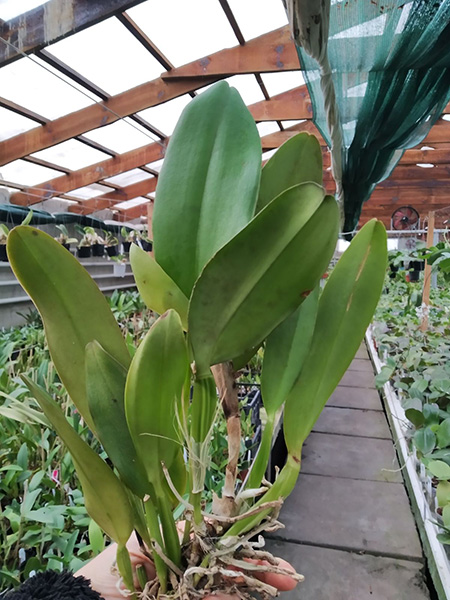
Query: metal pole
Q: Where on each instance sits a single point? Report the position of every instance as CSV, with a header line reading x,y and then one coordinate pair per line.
x,y
427,274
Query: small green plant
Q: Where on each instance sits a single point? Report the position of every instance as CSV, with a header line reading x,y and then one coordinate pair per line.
x,y
129,235
110,239
4,231
64,237
90,236
219,299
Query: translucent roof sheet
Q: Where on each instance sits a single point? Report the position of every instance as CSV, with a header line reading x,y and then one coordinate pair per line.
x,y
35,85
156,166
184,31
266,127
89,191
270,15
131,203
13,8
276,83
268,154
246,85
121,136
26,173
72,155
109,55
129,177
13,124
165,116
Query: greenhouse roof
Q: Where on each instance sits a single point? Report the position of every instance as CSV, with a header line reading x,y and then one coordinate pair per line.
x,y
91,92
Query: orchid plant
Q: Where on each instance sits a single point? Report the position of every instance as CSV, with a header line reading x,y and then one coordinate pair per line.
x,y
239,254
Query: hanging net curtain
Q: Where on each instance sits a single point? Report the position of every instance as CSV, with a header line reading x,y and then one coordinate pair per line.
x,y
378,72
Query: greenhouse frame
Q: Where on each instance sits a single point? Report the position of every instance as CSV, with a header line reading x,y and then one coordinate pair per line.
x,y
224,299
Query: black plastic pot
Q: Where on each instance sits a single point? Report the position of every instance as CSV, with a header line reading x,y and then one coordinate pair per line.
x,y
3,255
112,250
66,246
126,246
147,246
416,266
98,250
84,251
393,270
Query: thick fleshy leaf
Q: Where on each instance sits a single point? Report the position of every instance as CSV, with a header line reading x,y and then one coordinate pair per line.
x,y
346,307
208,185
154,384
104,495
286,350
105,387
298,160
73,309
262,275
158,290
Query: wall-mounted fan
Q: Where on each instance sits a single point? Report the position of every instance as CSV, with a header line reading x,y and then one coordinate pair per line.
x,y
405,218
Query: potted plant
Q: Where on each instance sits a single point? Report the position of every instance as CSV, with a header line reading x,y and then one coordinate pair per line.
x,y
85,244
64,239
146,242
130,236
111,244
4,231
219,299
120,265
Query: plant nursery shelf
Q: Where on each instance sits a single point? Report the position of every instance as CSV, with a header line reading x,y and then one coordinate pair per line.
x,y
418,484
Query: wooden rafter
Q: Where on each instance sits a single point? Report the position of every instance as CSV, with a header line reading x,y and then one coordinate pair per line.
x,y
91,174
143,96
279,54
110,199
53,21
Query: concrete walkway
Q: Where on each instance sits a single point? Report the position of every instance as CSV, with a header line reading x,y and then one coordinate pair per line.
x,y
348,523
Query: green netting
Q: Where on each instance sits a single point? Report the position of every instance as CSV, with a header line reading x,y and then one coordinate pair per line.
x,y
389,63
12,214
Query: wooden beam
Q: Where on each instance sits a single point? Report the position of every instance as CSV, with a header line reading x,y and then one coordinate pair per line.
x,y
293,105
143,96
53,21
279,54
110,199
275,140
133,213
91,174
435,157
136,212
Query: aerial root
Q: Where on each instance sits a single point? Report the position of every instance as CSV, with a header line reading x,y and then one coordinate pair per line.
x,y
223,565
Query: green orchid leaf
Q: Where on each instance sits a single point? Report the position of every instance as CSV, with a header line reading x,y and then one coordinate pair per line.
x,y
297,161
260,277
286,350
241,361
208,185
105,497
346,307
154,386
73,309
105,387
157,289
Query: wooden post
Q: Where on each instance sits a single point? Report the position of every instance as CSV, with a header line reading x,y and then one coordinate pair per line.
x,y
427,274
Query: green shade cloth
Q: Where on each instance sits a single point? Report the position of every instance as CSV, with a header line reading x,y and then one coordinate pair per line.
x,y
12,214
390,66
87,221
